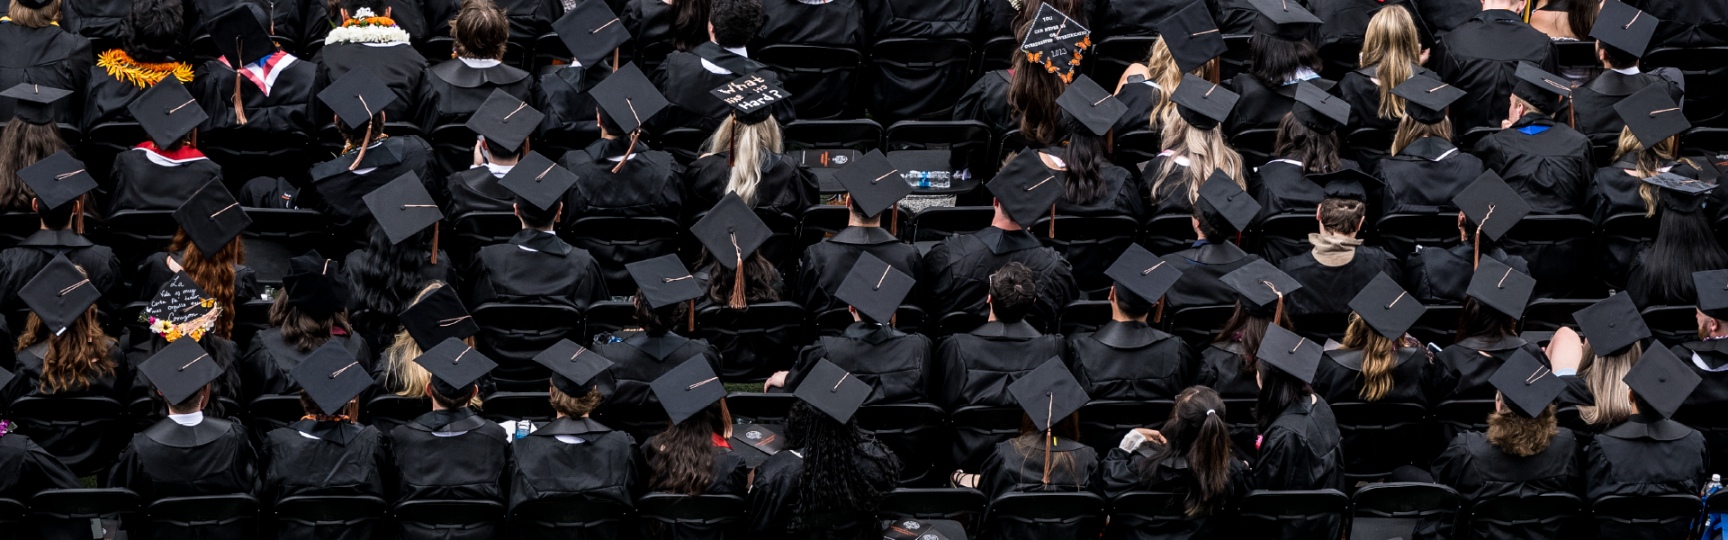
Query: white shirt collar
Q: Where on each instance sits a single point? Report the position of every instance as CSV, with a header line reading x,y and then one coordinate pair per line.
x,y
189,419
1628,71
716,69
479,63
498,171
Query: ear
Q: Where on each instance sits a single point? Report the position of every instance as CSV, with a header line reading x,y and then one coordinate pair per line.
x,y
516,209
1112,297
33,204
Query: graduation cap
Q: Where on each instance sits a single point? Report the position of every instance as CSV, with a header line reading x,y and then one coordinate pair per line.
x,y
437,317
1192,36
180,370
1427,98
504,120
1290,353
212,217
403,208
628,98
316,285
455,366
1624,27
752,97
538,180
331,377
1202,104
1528,385
57,179
1540,88
1712,287
1345,183
590,31
1501,287
874,288
688,388
1048,394
1261,285
573,366
167,112
833,390
1220,196
59,294
1056,42
1092,105
242,35
179,301
356,97
1651,115
1680,193
1318,110
1387,307
1660,380
1492,205
34,103
1611,324
1026,188
730,231
35,4
874,183
6,377
1141,272
1284,19
664,281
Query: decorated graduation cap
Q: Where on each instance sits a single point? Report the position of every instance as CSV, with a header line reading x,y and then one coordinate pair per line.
x,y
1540,88
57,179
455,366
180,370
212,217
538,180
1680,193
1426,98
1290,353
1261,286
1202,104
1056,42
874,288
356,97
731,231
1624,27
833,390
316,285
180,309
1220,197
167,112
1387,307
1501,287
241,33
1093,106
1192,36
34,103
1611,324
504,120
1493,206
752,97
437,317
687,389
1318,110
1660,379
664,281
1026,189
873,182
1528,385
573,366
1048,394
591,31
1284,19
1712,287
628,99
59,294
1652,115
1145,275
332,377
1345,183
403,208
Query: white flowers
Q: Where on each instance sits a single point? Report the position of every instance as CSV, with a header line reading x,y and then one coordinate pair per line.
x,y
366,34
363,13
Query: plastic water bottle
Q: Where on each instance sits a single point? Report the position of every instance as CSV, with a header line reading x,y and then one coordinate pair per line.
x,y
1713,524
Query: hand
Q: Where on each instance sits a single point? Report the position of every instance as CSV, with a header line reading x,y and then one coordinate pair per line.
x,y
478,158
1152,435
1565,350
1424,59
776,381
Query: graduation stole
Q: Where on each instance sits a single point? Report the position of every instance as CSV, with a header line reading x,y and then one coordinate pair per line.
x,y
121,66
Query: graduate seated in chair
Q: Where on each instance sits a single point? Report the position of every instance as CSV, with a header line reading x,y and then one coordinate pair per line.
x,y
1194,147
453,432
1685,243
664,304
36,470
976,367
1280,57
1480,56
309,312
457,87
873,194
1540,156
47,51
1622,37
1423,170
1442,275
30,135
535,266
1190,454
1618,462
895,364
366,38
327,452
1127,358
575,456
1488,330
147,54
186,454
274,99
164,170
59,204
1215,254
503,124
687,76
829,479
1047,456
620,175
744,156
1338,264
693,456
1299,445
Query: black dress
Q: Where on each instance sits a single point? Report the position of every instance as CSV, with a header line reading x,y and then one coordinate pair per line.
x,y
1547,163
1129,361
20,263
47,56
1478,470
1327,290
783,186
837,23
1593,102
576,459
143,183
1011,469
535,267
1201,267
1437,275
1479,57
637,359
1302,450
896,365
825,265
1645,456
265,368
450,454
1425,176
956,272
286,110
338,192
214,457
310,458
987,101
976,369
774,498
398,66
1121,474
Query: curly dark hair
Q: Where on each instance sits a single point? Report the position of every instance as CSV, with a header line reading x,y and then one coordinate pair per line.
x,y
1013,292
151,32
388,275
1317,151
735,21
833,487
681,459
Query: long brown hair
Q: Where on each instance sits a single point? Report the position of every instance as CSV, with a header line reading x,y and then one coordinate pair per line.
x,y
1602,375
75,357
213,274
1032,93
1409,130
302,330
1249,329
22,144
1030,447
1392,45
1196,431
681,459
1379,356
1515,434
1318,152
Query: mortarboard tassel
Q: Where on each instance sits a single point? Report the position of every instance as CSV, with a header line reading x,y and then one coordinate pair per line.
x,y
435,227
738,278
1052,221
894,220
1048,414
1476,240
690,316
239,111
1277,312
614,59
627,151
1159,315
78,217
367,140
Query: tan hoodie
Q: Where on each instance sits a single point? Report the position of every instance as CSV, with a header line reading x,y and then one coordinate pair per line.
x,y
1333,251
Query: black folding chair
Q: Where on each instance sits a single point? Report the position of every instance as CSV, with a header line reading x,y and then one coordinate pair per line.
x,y
1089,244
1379,437
353,517
760,407
938,222
962,505
448,519
1438,325
759,340
1136,147
72,509
268,412
1103,423
977,428
1149,514
1401,233
820,79
1701,67
475,230
1168,233
1045,515
914,78
1084,316
1199,324
997,53
1655,516
86,432
1394,510
1255,145
1308,513
1460,415
209,516
1285,235
1549,314
969,142
12,519
1672,324
916,432
1559,249
861,134
688,517
685,144
610,316
387,411
512,334
821,221
617,241
506,406
1541,516
564,518
1113,55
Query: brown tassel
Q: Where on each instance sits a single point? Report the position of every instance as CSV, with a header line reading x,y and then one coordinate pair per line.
x,y
614,60
1052,222
690,317
894,220
1047,438
364,141
435,227
239,111
627,152
1278,312
1476,240
738,278
1158,316
78,219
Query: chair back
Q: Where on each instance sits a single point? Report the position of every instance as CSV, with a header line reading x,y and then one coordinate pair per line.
x,y
760,407
1558,249
1103,423
666,516
1045,515
1113,55
1540,516
1149,512
1672,324
512,334
1401,233
12,518
506,406
958,504
1653,516
820,79
1136,147
997,53
550,518
436,518
1168,233
861,134
977,428
86,432
969,144
1084,316
916,432
1391,510
1198,324
758,340
322,515
267,412
1438,325
938,222
209,516
1377,435
1701,67
617,241
609,316
916,78
1312,511
1089,243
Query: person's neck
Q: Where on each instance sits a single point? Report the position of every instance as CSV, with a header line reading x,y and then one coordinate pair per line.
x,y
504,162
45,227
607,136
545,230
1329,232
1721,331
855,222
992,317
1117,315
1494,6
1003,222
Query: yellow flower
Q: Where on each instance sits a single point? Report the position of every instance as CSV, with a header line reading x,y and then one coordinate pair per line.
x,y
172,335
161,326
198,335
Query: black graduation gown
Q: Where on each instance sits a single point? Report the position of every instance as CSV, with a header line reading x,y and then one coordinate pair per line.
x,y
1327,290
603,466
921,18
1129,361
286,111
97,19
957,272
649,22
398,66
688,84
379,329
774,498
141,184
1471,368
26,469
783,185
265,368
48,56
1479,57
976,369
1122,196
1551,169
214,457
106,99
825,265
1425,176
1121,474
450,454
1343,23
1593,102
1437,275
1687,24
1263,107
225,391
79,448
1302,450
987,101
337,191
457,90
561,93
1201,267
1478,471
1134,17
1710,399
838,23
1234,17
1359,89
20,263
1282,188
1645,456
637,359
1415,379
1169,194
895,364
476,190
268,192
1221,370
650,185
548,271
1140,98
1074,467
344,459
1614,190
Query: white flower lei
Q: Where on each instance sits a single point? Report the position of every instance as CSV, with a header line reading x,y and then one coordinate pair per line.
x,y
366,33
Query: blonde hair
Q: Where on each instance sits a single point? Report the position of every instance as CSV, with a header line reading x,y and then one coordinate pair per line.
x,y
1409,130
405,377
1379,356
1206,151
1161,69
1603,374
748,144
1391,44
1649,163
28,17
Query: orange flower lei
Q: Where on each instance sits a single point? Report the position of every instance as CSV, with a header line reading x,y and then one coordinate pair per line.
x,y
370,21
141,74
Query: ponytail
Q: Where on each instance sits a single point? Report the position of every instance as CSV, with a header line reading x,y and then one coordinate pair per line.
x,y
1379,355
1209,458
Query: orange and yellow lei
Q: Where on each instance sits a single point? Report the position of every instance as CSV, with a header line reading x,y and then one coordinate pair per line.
x,y
121,66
